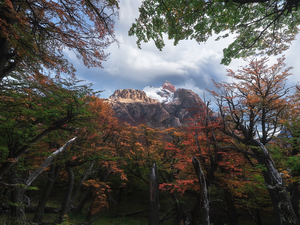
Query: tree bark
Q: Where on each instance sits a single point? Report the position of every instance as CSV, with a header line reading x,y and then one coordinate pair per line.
x,y
53,174
203,192
154,199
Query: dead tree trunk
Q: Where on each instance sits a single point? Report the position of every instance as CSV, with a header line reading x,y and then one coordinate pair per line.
x,y
154,201
203,192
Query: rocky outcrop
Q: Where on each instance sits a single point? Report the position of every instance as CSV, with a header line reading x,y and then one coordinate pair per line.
x,y
135,107
184,105
131,95
168,86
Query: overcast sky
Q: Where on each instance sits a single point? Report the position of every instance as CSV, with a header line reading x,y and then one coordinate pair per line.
x,y
187,65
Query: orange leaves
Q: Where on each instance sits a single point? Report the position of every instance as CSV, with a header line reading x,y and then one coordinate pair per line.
x,y
11,160
179,185
99,192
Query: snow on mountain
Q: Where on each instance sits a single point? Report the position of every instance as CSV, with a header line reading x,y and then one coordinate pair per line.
x,y
164,93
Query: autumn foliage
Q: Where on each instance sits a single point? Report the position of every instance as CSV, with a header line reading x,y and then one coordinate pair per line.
x,y
243,150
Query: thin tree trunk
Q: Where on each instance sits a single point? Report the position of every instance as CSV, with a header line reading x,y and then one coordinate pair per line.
x,y
83,200
179,215
196,211
295,195
180,218
258,217
66,203
203,192
83,178
154,200
53,174
232,214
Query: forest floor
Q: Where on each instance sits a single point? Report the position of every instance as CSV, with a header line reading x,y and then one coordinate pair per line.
x,y
122,213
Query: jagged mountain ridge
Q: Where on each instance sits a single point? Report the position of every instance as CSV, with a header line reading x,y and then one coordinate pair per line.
x,y
172,109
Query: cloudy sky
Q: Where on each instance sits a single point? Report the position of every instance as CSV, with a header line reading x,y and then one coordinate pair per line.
x,y
187,65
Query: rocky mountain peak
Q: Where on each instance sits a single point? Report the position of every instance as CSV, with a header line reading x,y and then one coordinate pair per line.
x,y
164,107
130,95
168,86
164,93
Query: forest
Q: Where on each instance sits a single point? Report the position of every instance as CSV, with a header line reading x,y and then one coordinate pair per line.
x,y
65,154
66,159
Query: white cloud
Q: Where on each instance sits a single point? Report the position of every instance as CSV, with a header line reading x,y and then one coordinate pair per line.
x,y
189,64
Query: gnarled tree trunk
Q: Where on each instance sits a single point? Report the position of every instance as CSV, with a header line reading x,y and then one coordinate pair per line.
x,y
283,210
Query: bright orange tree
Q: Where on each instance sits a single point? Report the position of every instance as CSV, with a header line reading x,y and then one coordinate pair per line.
x,y
140,147
227,171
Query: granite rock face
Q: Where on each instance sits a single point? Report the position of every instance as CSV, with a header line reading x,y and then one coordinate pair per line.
x,y
135,107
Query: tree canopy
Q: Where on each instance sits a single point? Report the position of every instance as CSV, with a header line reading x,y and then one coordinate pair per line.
x,y
259,26
33,34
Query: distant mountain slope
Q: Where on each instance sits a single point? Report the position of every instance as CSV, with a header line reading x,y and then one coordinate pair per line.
x,y
164,106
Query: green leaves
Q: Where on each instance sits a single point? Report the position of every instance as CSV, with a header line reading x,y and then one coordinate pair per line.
x,y
37,105
263,27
